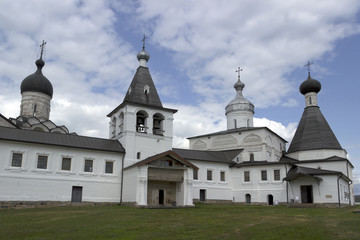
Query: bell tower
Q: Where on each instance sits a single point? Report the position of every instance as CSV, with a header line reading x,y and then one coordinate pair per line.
x,y
141,123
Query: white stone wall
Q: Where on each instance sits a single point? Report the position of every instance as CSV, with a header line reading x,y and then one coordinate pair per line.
x,y
340,166
317,154
264,144
130,186
257,188
243,119
28,183
324,192
28,102
215,189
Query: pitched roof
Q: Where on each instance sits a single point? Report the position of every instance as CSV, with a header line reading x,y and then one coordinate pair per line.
x,y
296,172
63,140
211,156
169,153
258,163
237,130
136,93
7,121
313,132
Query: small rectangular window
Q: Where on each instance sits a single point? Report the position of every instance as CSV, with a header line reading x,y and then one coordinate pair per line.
x,y
277,175
66,164
109,167
263,175
222,176
195,174
246,176
16,160
42,162
209,175
88,167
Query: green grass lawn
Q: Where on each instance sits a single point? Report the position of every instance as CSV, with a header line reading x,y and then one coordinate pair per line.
x,y
202,222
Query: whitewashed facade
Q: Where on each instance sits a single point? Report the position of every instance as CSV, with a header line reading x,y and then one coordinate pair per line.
x,y
137,164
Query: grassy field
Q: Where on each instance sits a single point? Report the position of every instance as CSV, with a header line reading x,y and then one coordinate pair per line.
x,y
202,222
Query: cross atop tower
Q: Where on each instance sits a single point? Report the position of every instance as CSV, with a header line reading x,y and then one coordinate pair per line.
x,y
143,40
238,71
42,46
308,66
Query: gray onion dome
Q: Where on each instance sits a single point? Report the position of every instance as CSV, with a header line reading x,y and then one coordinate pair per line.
x,y
310,85
37,82
143,55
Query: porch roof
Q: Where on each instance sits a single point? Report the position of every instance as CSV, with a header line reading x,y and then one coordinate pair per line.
x,y
296,172
225,156
169,153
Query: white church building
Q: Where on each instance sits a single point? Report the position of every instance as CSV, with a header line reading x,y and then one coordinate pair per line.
x,y
43,162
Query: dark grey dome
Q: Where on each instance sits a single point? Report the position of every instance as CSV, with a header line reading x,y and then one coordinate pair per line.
x,y
310,85
37,82
143,55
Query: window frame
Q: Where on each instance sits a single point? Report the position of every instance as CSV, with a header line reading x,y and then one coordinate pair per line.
x,y
46,162
106,165
12,159
63,158
247,176
91,167
277,175
264,174
196,174
222,176
209,175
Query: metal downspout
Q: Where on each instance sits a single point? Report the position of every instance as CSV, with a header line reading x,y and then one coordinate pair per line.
x,y
287,187
122,179
349,183
338,187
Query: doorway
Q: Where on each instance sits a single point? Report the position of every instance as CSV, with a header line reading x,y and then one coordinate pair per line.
x,y
161,197
76,194
202,195
270,199
248,198
306,194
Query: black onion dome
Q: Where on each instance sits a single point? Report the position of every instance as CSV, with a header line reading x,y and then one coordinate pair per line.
x,y
310,85
37,82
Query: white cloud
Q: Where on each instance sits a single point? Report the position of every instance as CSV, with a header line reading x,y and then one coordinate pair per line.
x,y
211,38
91,63
286,132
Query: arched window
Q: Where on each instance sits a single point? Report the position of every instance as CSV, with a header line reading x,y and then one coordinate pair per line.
x,y
158,128
141,121
251,157
248,198
113,127
121,122
146,89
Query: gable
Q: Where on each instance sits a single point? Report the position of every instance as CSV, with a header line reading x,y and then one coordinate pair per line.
x,y
161,159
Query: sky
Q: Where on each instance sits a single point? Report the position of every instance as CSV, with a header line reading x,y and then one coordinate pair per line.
x,y
195,48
